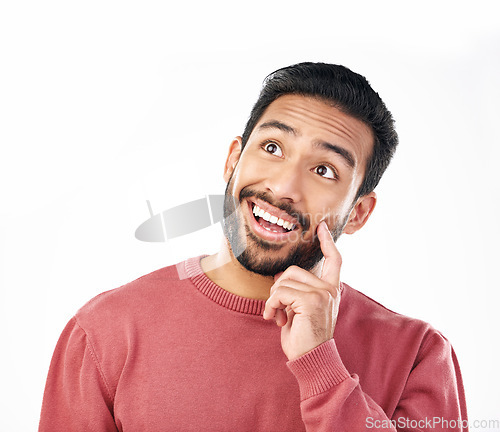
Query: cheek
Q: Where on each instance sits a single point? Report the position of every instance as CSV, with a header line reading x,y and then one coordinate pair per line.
x,y
319,208
332,215
332,203
246,173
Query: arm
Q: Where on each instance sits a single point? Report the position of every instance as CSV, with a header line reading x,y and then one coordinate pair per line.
x,y
306,307
332,399
76,397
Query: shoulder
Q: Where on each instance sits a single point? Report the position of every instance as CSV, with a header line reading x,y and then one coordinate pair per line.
x,y
367,316
394,355
136,298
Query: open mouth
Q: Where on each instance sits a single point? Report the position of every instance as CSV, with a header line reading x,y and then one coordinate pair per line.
x,y
273,223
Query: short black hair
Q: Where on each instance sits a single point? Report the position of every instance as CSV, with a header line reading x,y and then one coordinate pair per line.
x,y
344,89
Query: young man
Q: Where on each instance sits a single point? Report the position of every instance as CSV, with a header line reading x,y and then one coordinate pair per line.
x,y
263,336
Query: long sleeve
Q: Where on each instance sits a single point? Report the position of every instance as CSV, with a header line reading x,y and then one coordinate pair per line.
x,y
169,354
333,399
76,396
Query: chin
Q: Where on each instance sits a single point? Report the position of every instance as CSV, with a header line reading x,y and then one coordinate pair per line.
x,y
266,258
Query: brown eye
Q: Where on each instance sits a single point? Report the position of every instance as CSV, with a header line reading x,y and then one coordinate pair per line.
x,y
325,171
273,149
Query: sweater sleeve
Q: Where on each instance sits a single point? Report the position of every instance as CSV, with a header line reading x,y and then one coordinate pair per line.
x,y
333,400
76,397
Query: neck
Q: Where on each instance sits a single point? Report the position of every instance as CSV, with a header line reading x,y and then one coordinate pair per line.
x,y
225,270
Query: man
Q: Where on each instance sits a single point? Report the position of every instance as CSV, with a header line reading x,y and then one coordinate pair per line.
x,y
263,336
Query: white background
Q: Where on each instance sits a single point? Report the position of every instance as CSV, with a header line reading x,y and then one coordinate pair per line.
x,y
104,105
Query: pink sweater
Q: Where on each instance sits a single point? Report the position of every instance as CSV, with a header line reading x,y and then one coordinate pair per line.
x,y
172,351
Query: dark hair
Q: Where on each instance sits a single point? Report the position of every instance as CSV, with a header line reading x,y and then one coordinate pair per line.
x,y
347,91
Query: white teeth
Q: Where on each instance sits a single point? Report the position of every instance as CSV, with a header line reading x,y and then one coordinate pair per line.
x,y
257,211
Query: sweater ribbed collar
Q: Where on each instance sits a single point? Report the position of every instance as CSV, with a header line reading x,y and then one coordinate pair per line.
x,y
193,270
192,267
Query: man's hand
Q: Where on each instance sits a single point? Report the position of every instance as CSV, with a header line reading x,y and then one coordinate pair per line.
x,y
305,306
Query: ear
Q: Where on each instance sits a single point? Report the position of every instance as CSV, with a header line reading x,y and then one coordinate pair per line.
x,y
232,158
360,213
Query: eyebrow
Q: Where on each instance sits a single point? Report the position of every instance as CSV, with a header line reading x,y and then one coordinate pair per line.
x,y
345,154
275,124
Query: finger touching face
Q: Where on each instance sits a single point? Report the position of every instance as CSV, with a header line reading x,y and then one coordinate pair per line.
x,y
330,272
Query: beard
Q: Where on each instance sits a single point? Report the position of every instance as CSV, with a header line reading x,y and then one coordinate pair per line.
x,y
254,253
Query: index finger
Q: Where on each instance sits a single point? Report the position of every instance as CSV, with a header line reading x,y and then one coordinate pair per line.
x,y
331,266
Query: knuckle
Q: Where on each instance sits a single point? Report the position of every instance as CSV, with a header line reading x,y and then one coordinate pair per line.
x,y
290,271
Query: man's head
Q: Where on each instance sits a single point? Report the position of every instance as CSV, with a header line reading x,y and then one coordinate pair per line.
x,y
315,146
346,90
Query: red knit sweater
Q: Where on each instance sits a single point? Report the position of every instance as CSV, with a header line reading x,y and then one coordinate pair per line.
x,y
172,351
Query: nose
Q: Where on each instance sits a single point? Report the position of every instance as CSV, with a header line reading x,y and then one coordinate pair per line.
x,y
284,181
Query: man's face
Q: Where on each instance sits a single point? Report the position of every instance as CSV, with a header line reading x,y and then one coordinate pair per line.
x,y
303,163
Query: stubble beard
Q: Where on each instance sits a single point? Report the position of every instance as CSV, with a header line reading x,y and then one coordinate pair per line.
x,y
256,254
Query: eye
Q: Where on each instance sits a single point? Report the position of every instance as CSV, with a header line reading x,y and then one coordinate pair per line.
x,y
273,148
326,172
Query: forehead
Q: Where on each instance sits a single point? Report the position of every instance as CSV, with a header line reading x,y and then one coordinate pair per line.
x,y
316,120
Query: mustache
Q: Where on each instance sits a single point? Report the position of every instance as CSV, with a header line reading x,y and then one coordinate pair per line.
x,y
302,219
